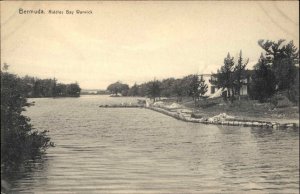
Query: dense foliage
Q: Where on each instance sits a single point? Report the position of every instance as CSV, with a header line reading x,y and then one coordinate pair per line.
x,y
36,87
282,59
195,86
19,140
118,88
240,74
154,89
134,90
202,89
263,81
225,76
231,76
191,85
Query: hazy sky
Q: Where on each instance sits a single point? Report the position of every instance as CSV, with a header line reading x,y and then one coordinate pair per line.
x,y
137,41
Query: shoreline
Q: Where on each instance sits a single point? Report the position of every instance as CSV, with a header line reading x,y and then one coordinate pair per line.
x,y
185,114
228,122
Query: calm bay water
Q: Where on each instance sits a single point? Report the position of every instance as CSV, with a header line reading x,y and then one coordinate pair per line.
x,y
117,150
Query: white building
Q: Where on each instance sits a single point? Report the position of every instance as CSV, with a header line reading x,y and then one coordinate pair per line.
x,y
213,91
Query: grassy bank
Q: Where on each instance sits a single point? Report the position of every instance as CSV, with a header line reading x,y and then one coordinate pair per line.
x,y
244,109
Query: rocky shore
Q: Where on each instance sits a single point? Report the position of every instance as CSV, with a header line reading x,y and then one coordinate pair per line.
x,y
182,113
221,119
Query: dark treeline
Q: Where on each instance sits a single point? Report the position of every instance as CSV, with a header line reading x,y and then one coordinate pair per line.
x,y
275,72
191,85
36,87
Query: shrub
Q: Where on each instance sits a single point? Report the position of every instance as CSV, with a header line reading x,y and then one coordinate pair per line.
x,y
19,141
280,101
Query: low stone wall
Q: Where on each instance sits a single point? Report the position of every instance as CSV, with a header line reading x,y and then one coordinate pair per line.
x,y
230,122
121,106
187,118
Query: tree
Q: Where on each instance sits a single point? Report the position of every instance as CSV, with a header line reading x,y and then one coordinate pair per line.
x,y
185,85
239,74
283,60
263,81
53,88
46,87
134,90
202,87
294,92
118,87
154,89
142,89
193,87
61,90
166,87
28,83
36,87
19,141
73,90
179,89
124,89
224,77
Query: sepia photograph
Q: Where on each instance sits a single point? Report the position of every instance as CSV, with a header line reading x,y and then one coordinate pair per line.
x,y
149,97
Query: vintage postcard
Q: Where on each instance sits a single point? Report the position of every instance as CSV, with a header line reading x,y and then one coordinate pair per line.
x,y
149,97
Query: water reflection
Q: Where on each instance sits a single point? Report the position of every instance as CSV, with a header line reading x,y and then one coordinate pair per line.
x,y
265,132
17,175
261,133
